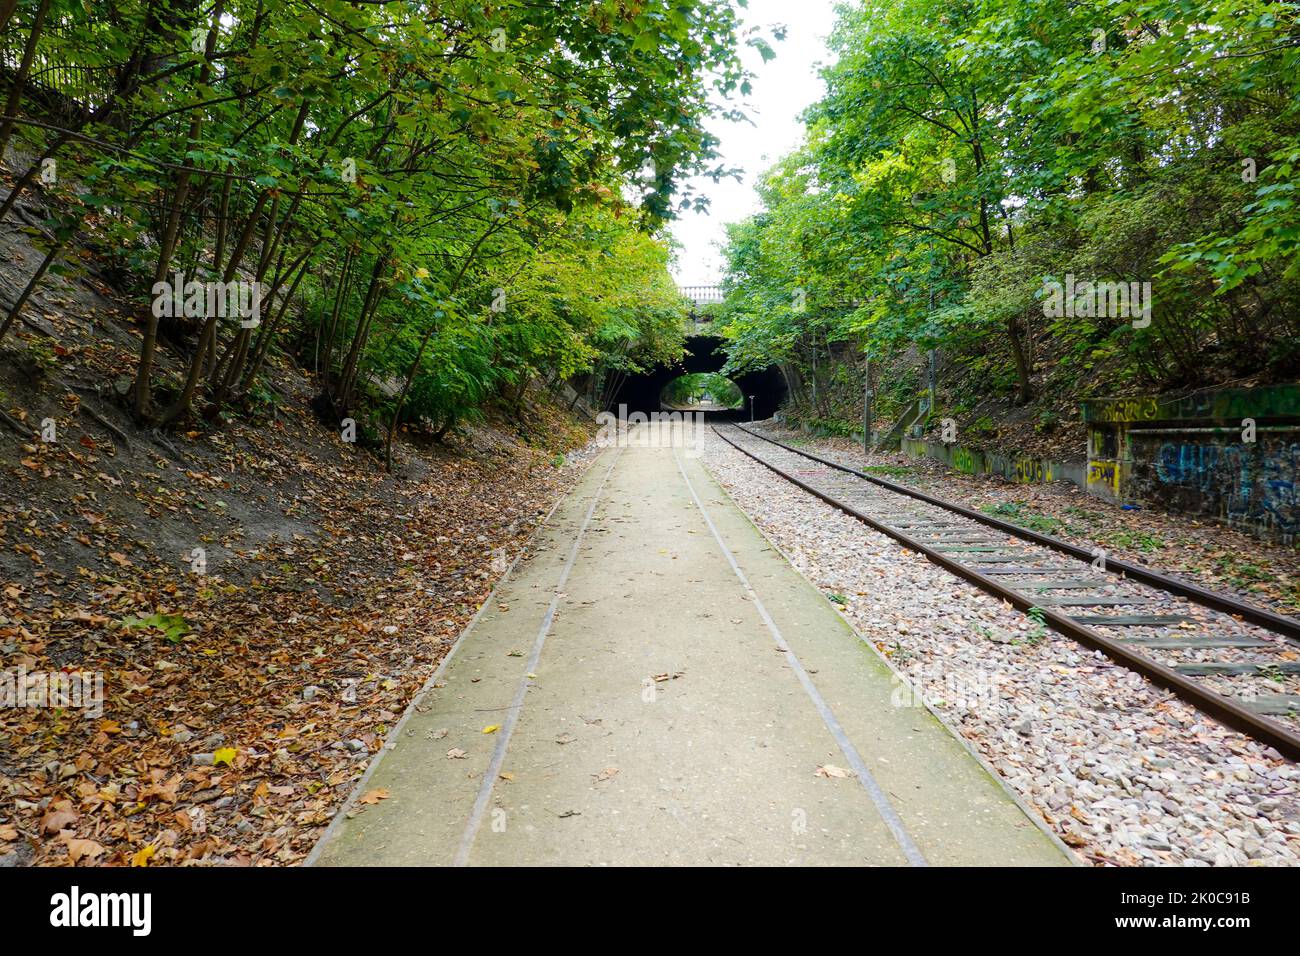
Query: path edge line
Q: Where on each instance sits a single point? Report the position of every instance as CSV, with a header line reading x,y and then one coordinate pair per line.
x,y
911,852
390,741
1032,815
495,763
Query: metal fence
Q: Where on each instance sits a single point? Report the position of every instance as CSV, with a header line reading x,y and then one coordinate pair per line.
x,y
52,72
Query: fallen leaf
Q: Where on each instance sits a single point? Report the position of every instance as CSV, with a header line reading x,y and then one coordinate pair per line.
x,y
832,771
77,849
374,796
59,816
143,856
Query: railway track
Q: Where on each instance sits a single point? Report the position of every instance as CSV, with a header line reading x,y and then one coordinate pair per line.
x,y
1235,661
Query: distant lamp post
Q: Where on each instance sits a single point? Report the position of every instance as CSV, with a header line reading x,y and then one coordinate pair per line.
x,y
751,408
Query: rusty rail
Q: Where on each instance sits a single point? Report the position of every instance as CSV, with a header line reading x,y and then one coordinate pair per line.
x,y
1223,709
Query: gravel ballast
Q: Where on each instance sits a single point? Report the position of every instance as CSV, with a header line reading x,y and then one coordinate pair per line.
x,y
1198,549
1123,771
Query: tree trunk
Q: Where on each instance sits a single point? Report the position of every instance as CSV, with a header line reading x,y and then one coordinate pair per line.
x,y
7,8
15,100
1023,369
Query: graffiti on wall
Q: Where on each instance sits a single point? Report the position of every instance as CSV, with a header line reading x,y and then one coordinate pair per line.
x,y
964,461
1031,471
1250,484
1103,476
1121,410
970,461
1224,405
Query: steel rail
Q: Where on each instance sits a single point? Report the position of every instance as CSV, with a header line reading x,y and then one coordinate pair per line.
x,y
1216,705
1270,620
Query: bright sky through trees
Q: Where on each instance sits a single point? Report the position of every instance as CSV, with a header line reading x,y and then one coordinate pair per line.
x,y
783,87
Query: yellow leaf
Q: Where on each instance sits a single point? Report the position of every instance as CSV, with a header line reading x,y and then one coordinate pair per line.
x,y
491,728
225,755
143,857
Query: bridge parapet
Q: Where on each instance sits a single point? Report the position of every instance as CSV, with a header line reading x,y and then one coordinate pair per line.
x,y
702,294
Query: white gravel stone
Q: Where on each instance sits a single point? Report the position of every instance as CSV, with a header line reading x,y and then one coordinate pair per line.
x,y
1124,771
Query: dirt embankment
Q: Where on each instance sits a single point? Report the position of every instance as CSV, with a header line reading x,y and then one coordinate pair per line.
x,y
258,598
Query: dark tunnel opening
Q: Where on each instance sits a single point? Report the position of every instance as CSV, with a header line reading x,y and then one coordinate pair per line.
x,y
641,393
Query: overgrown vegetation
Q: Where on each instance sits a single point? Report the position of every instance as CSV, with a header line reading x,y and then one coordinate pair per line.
x,y
966,155
704,387
1015,512
437,202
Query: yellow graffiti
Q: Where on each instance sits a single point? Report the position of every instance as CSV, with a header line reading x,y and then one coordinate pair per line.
x,y
1032,471
1105,473
1124,410
963,461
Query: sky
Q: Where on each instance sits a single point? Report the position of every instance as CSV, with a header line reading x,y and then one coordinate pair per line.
x,y
783,87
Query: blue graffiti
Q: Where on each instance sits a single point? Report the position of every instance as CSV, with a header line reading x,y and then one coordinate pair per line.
x,y
1245,483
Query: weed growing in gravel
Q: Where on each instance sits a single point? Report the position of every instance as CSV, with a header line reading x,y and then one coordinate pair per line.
x,y
896,652
1241,573
1272,672
1039,633
1134,541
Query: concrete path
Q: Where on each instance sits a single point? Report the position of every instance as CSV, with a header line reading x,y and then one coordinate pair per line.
x,y
665,688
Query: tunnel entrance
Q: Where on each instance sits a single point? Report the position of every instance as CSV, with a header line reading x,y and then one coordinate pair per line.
x,y
645,393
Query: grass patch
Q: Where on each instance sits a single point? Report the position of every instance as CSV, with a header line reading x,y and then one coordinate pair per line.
x,y
1134,541
1014,511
